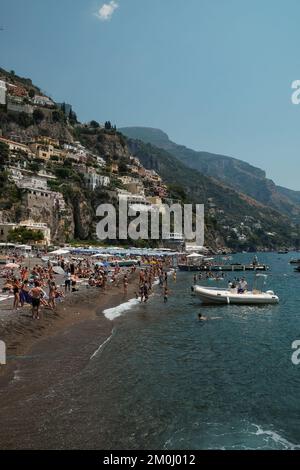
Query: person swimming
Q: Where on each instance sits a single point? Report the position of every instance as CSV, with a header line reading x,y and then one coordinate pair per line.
x,y
201,317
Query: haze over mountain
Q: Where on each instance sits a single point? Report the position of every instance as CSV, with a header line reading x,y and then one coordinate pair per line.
x,y
235,173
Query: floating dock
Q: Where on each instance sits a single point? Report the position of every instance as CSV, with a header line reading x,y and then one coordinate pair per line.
x,y
224,267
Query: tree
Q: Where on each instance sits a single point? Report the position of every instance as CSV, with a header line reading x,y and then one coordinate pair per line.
x,y
24,120
4,153
3,178
107,125
63,173
177,191
34,166
38,116
72,117
94,124
57,116
25,235
123,168
31,93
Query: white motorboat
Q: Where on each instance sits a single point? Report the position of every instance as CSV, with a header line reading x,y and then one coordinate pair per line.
x,y
209,295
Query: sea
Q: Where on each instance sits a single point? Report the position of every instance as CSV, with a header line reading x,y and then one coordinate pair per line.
x,y
163,380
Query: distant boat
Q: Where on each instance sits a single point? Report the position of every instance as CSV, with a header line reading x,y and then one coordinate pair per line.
x,y
297,269
295,261
209,295
282,252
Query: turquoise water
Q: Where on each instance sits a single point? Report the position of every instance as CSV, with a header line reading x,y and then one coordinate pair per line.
x,y
227,382
162,379
224,383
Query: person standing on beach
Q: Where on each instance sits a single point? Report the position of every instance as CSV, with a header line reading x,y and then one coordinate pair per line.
x,y
145,291
67,281
16,291
141,292
125,283
36,293
24,294
52,294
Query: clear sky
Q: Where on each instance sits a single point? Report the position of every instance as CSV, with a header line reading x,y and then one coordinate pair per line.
x,y
214,74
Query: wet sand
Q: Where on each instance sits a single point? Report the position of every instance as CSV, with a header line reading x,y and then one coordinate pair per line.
x,y
20,332
48,361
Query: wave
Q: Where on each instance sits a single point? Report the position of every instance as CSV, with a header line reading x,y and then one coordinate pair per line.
x,y
274,436
103,345
5,297
115,312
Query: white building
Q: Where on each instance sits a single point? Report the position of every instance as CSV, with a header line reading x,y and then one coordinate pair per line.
x,y
2,92
5,229
40,100
135,201
93,180
100,161
33,183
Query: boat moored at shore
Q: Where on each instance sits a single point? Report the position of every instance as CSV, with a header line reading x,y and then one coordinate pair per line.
x,y
210,295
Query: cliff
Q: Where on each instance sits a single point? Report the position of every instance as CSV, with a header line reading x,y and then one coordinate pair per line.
x,y
235,173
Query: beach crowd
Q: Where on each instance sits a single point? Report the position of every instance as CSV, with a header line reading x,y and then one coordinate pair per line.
x,y
47,283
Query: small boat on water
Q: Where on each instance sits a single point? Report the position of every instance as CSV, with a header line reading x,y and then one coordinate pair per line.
x,y
282,252
297,270
210,295
295,261
232,295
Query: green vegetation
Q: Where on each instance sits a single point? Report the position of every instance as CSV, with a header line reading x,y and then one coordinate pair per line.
x,y
4,154
236,174
191,186
25,235
38,116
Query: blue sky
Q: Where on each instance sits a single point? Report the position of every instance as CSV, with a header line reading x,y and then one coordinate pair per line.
x,y
214,74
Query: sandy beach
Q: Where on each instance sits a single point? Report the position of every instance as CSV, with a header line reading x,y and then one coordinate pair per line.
x,y
20,332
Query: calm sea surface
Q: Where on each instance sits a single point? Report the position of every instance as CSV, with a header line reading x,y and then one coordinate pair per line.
x,y
164,380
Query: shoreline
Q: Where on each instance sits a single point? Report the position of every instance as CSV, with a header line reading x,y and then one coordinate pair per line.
x,y
22,333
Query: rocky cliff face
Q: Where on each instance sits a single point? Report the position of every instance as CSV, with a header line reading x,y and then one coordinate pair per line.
x,y
109,145
56,130
235,173
61,223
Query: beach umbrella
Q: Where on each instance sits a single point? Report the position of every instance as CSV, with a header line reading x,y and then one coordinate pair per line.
x,y
195,255
59,252
12,266
58,270
101,255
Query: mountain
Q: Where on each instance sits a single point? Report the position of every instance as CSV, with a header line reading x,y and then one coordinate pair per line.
x,y
56,171
230,215
239,175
